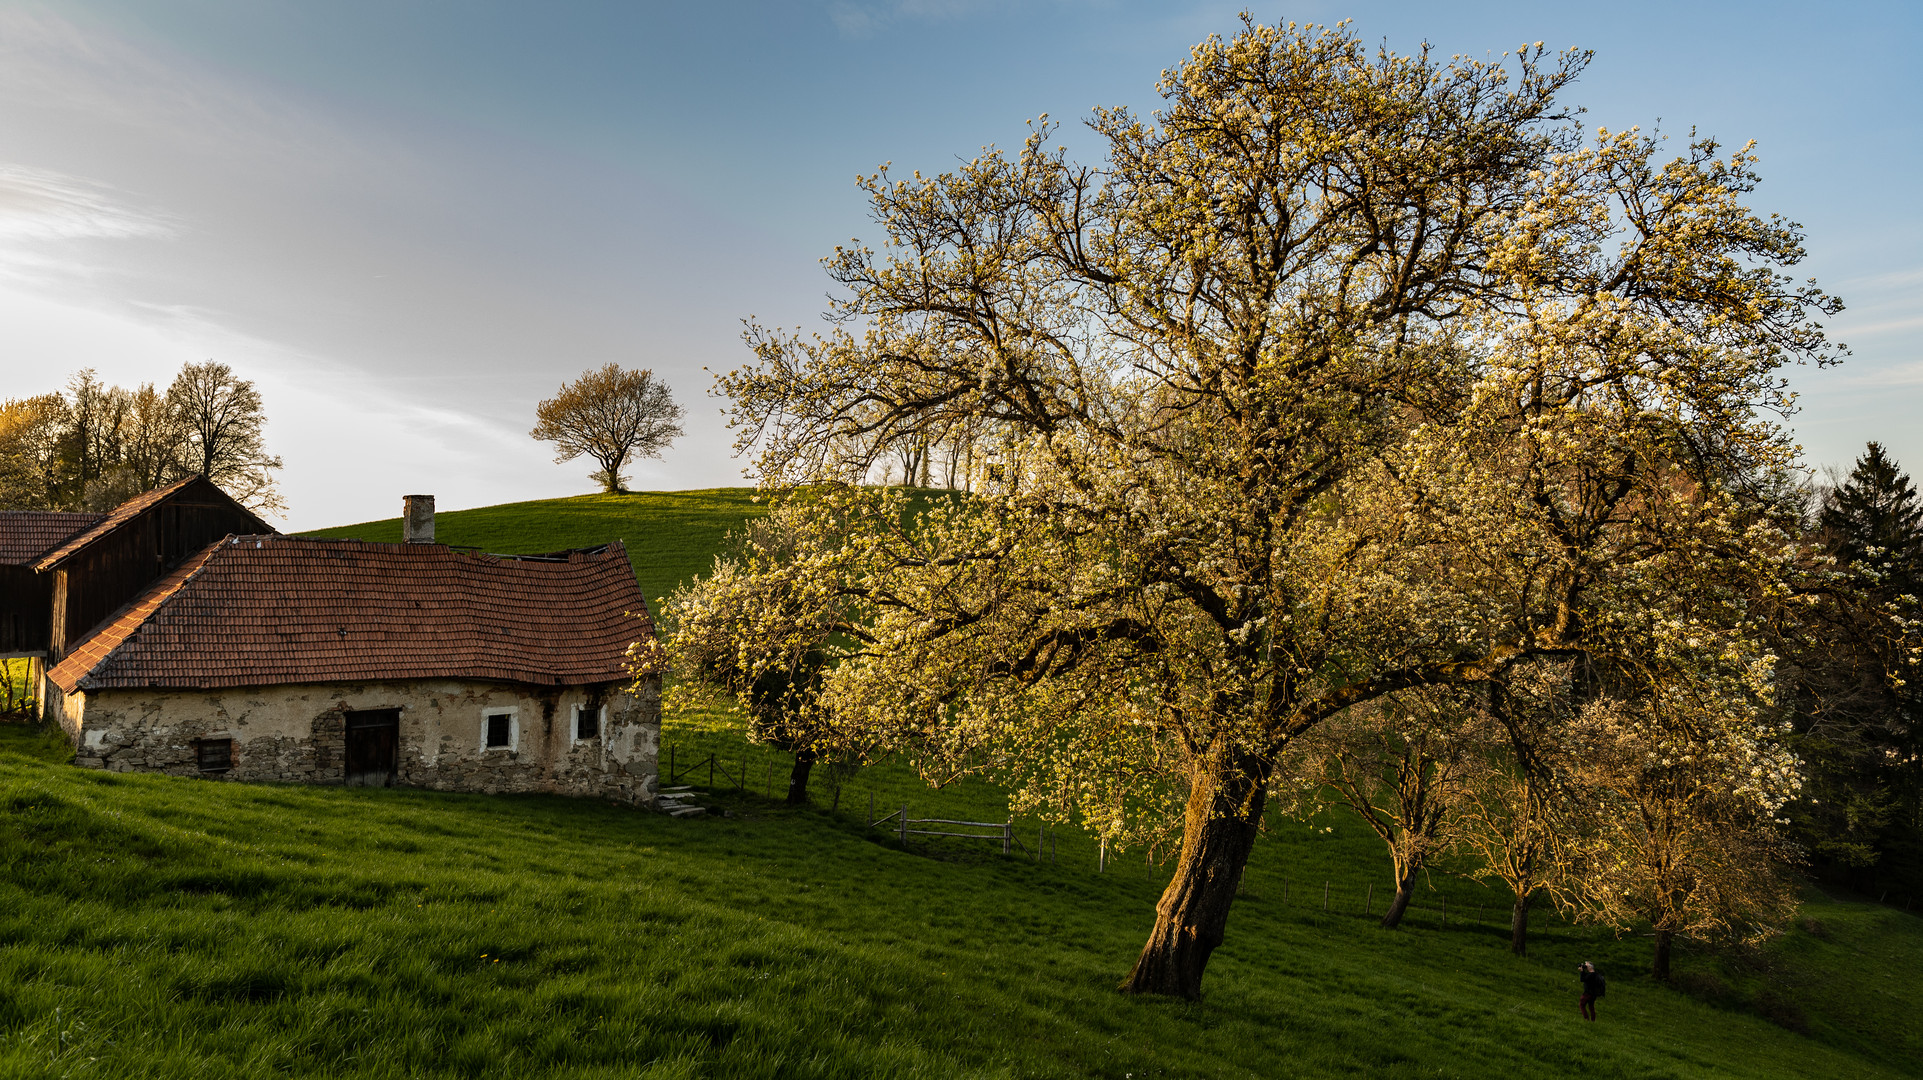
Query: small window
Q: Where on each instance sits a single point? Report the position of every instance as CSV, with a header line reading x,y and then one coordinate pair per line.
x,y
216,755
500,731
587,722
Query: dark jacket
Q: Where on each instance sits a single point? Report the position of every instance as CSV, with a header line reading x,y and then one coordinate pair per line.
x,y
1592,983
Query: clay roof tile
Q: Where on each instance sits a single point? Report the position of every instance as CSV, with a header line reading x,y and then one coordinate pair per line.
x,y
264,610
25,535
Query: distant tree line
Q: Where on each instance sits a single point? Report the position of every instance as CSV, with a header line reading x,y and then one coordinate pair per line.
x,y
93,445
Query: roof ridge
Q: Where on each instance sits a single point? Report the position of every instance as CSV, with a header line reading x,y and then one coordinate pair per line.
x,y
126,512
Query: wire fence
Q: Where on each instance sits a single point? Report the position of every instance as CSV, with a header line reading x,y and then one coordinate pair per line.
x,y
764,775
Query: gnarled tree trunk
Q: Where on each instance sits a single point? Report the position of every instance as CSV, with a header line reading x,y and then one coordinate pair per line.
x,y
1519,926
1226,793
1405,892
798,777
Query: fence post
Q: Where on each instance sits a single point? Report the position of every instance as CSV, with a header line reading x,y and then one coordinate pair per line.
x,y
1445,911
1101,857
1008,833
711,772
904,824
1325,896
1368,901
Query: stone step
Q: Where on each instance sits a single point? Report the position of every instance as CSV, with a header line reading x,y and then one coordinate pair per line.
x,y
670,790
687,811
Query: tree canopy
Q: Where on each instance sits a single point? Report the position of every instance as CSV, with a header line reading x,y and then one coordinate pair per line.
x,y
94,446
1346,373
612,415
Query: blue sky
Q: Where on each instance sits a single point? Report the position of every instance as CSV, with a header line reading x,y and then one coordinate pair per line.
x,y
410,221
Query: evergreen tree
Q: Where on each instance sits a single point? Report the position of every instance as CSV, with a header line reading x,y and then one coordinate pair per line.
x,y
1860,693
1874,522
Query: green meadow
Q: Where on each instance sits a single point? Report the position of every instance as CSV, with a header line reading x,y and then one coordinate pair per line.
x,y
670,535
153,926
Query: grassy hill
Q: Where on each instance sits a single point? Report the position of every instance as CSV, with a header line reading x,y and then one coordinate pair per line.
x,y
671,535
152,926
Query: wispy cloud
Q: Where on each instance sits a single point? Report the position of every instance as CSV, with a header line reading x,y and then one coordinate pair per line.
x,y
42,205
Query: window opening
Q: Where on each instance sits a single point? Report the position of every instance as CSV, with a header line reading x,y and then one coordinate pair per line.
x,y
587,722
499,730
216,755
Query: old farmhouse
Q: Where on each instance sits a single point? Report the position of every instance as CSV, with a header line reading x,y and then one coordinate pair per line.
x,y
256,656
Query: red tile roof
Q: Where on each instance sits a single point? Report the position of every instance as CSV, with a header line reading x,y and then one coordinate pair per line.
x,y
266,610
132,509
25,535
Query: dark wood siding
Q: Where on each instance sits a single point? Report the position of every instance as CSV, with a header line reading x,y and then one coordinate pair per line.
x,y
94,582
26,610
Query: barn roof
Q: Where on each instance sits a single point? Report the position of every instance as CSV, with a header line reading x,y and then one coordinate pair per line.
x,y
192,487
266,610
25,535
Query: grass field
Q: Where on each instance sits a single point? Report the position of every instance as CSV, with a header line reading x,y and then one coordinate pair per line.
x,y
671,535
16,683
152,926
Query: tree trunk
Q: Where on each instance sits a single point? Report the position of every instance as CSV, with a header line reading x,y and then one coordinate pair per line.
x,y
1226,792
798,777
1405,892
1519,926
1660,966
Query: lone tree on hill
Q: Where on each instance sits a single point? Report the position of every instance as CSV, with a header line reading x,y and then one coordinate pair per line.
x,y
1347,373
611,415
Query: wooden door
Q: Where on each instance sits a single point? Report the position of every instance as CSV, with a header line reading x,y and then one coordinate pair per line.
x,y
373,748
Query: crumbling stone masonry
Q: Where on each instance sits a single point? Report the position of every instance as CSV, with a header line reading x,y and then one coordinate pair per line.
x,y
296,733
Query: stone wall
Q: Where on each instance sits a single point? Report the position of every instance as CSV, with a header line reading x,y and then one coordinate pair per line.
x,y
297,734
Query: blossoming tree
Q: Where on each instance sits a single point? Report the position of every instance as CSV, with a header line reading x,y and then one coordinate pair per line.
x,y
1346,373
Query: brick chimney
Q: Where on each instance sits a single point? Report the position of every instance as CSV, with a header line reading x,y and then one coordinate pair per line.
x,y
417,519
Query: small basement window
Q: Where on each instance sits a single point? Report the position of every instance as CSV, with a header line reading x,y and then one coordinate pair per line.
x,y
497,731
216,755
587,722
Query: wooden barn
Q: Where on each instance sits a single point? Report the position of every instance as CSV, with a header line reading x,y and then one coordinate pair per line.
x,y
26,595
95,571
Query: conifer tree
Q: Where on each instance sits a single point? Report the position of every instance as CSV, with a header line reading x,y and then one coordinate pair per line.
x,y
1857,678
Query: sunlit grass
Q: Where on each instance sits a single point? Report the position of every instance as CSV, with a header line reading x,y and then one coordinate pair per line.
x,y
152,926
16,683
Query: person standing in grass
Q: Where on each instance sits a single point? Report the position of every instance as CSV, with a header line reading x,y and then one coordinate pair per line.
x,y
1592,988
